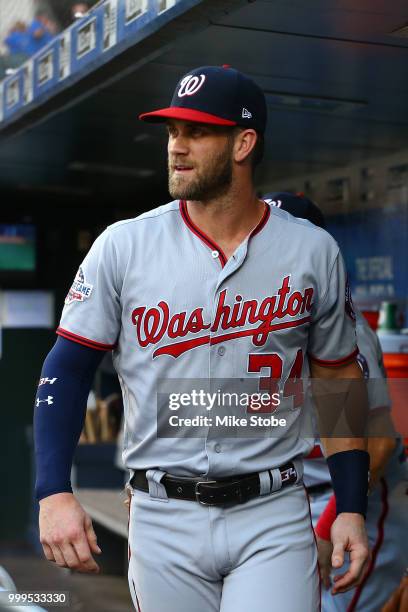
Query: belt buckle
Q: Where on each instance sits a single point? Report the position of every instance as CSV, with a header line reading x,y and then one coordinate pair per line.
x,y
198,494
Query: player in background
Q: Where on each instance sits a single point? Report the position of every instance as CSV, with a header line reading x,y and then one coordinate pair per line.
x,y
398,602
387,515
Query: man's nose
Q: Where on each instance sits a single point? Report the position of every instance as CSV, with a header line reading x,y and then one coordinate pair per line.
x,y
178,145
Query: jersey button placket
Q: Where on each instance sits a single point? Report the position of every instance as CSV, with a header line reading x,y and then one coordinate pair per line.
x,y
213,447
220,371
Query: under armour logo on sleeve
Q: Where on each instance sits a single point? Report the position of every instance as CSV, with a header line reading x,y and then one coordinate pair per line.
x,y
45,381
49,400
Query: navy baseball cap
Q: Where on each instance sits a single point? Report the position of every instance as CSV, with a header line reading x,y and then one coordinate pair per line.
x,y
219,95
297,205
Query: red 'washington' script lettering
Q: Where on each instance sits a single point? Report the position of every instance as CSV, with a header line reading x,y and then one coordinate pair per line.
x,y
152,324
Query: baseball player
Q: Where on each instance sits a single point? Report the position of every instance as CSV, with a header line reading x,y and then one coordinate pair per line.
x,y
388,500
214,285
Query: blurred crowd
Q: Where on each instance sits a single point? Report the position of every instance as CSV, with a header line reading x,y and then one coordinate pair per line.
x,y
25,39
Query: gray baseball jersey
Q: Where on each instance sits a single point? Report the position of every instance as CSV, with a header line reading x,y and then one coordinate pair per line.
x,y
162,295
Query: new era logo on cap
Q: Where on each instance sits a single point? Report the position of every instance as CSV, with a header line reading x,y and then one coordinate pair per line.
x,y
218,95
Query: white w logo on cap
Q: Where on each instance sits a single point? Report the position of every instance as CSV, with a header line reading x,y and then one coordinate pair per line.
x,y
277,203
190,85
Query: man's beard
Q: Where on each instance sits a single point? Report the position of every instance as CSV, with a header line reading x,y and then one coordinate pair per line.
x,y
212,182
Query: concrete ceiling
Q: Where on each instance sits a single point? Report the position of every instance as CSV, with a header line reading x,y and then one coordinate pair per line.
x,y
334,74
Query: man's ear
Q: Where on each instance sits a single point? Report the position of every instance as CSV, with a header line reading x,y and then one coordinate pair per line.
x,y
244,144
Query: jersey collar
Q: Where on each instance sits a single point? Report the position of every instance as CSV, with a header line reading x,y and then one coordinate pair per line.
x,y
207,240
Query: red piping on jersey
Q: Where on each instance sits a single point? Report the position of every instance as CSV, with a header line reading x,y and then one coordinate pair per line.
x,y
335,362
207,240
377,546
137,600
130,554
139,609
178,348
129,551
203,237
317,550
99,346
263,221
315,453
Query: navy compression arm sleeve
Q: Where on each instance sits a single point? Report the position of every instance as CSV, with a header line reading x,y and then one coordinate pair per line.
x,y
59,412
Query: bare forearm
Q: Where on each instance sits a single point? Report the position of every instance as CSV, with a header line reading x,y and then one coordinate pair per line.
x,y
381,442
337,445
341,401
380,450
340,397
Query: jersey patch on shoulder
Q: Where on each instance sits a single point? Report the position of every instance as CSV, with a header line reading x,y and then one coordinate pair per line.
x,y
80,289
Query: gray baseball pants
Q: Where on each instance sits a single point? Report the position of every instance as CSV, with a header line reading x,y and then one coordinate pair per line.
x,y
259,556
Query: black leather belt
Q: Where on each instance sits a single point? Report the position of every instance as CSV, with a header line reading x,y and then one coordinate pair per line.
x,y
236,490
